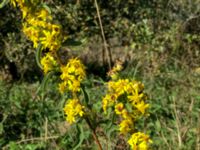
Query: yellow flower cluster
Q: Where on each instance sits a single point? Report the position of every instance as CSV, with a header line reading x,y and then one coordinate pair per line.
x,y
48,62
122,93
113,73
73,109
38,26
139,141
128,92
72,75
24,5
128,100
41,30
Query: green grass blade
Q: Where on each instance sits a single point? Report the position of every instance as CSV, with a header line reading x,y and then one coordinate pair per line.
x,y
3,3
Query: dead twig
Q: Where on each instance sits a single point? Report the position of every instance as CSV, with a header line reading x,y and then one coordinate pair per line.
x,y
33,139
108,52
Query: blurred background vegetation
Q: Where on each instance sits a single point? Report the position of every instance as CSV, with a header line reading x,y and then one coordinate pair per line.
x,y
159,43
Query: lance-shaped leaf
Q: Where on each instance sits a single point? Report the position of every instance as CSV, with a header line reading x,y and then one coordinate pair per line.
x,y
81,136
86,96
45,81
3,3
38,55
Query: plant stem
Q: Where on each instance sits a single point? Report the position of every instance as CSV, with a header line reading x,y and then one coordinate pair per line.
x,y
58,58
108,52
93,133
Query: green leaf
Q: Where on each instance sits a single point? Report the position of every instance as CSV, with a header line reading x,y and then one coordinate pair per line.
x,y
86,96
110,126
158,125
71,42
38,55
109,134
44,82
1,128
13,146
3,3
30,147
81,136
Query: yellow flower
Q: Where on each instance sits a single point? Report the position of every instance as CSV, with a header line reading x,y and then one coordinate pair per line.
x,y
72,109
79,110
108,100
43,14
113,73
13,2
118,87
125,114
126,126
62,87
119,108
141,106
105,104
74,86
32,33
56,28
48,63
134,98
48,39
51,38
25,10
73,74
139,141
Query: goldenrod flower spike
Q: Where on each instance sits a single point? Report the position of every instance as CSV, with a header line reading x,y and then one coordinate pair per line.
x,y
128,99
126,126
113,73
109,101
72,75
139,141
38,27
73,109
48,63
